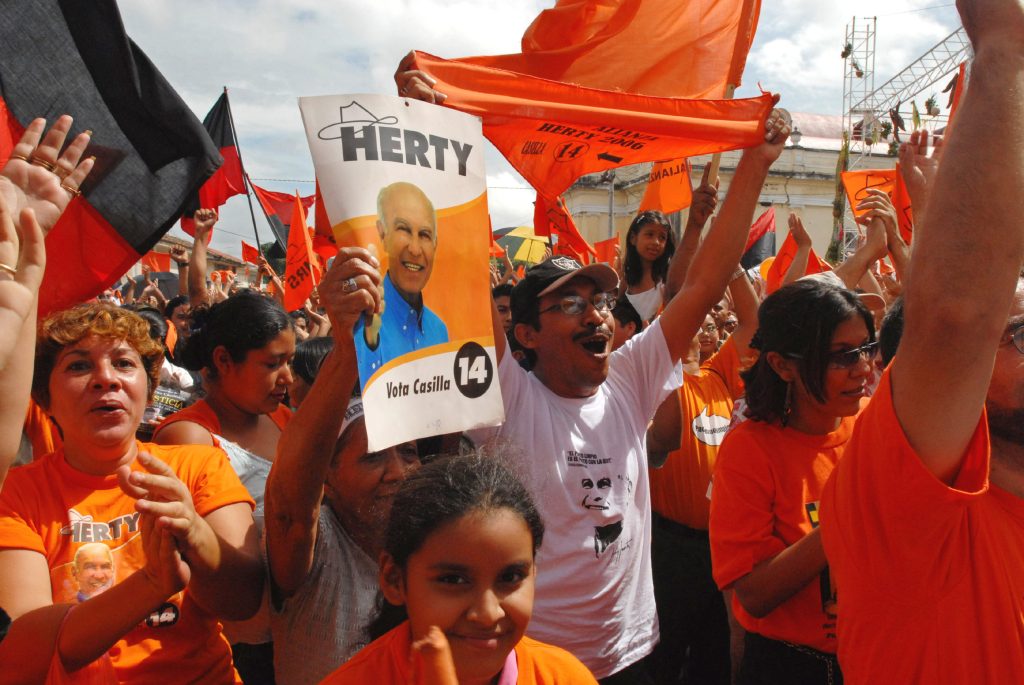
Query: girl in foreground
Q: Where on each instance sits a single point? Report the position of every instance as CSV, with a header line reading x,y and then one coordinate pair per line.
x,y
649,249
459,555
817,342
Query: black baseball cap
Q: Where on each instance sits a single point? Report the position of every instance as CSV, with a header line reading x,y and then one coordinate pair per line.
x,y
550,275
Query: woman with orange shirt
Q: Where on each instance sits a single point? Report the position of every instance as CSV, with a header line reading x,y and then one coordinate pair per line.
x,y
816,343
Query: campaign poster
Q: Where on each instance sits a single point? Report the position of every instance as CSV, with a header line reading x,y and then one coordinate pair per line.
x,y
406,179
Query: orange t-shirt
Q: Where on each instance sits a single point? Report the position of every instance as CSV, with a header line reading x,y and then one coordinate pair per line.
x,y
51,508
385,661
41,431
679,489
764,498
202,413
929,577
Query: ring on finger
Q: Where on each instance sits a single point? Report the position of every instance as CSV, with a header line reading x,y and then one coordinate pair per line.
x,y
24,158
74,192
49,166
349,285
8,269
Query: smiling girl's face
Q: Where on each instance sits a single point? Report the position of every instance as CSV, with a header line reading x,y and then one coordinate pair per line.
x,y
473,578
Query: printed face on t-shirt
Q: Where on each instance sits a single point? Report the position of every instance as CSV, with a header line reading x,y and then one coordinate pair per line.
x,y
596,493
93,568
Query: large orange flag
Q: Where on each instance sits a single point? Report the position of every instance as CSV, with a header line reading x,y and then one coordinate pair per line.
x,y
666,48
301,273
553,133
668,187
553,217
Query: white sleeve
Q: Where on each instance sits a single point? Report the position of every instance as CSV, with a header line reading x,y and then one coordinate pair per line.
x,y
514,382
644,365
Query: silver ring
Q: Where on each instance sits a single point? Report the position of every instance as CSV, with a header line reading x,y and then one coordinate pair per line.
x,y
349,285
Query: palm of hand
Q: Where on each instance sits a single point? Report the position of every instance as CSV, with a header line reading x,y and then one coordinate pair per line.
x,y
30,185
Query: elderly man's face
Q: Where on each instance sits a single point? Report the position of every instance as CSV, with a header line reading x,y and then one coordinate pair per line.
x,y
409,237
94,571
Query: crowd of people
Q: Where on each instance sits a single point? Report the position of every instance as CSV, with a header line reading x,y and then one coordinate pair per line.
x,y
697,480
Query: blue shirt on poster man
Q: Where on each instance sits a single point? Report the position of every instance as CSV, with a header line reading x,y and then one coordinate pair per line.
x,y
407,226
403,329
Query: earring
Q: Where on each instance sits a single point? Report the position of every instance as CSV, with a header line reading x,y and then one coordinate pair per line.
x,y
787,405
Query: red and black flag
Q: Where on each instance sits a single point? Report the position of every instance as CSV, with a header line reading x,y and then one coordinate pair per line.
x,y
152,153
278,208
760,241
228,180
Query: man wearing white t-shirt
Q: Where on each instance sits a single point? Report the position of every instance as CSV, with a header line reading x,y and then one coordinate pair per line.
x,y
578,421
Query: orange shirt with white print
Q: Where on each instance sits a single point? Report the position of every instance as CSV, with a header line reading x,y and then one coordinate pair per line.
x,y
385,661
51,508
929,577
679,489
765,497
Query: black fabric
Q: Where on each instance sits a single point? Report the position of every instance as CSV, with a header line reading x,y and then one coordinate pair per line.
x,y
694,626
5,623
770,662
762,249
634,674
152,153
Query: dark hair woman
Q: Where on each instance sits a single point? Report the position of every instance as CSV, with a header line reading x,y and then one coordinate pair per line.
x,y
816,343
649,249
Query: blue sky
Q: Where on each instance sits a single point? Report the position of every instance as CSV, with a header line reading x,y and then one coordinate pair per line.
x,y
269,53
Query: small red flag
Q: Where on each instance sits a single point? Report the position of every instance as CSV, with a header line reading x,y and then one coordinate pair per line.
x,y
250,254
157,261
301,272
605,250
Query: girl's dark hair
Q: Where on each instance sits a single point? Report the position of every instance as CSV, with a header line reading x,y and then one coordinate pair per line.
x,y
157,322
633,265
797,321
309,355
445,490
243,322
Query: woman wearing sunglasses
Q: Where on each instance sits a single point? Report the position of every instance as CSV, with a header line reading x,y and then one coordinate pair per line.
x,y
817,343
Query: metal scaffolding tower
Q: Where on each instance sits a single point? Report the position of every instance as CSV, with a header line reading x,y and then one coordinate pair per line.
x,y
866,108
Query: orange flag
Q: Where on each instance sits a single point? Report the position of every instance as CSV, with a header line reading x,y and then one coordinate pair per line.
x,y
668,187
250,254
666,48
552,217
889,181
157,261
784,258
553,133
605,250
301,272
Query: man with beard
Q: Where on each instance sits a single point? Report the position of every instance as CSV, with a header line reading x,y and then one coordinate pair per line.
x,y
923,519
327,501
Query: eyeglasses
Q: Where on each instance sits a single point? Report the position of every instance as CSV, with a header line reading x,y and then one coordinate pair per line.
x,y
1016,336
844,359
574,305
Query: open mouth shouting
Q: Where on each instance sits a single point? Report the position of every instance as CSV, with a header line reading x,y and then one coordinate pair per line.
x,y
596,342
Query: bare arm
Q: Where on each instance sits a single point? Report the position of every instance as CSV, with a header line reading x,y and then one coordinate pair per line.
x,y
744,303
31,202
853,269
970,249
723,246
705,200
775,580
181,257
307,445
664,433
798,267
198,295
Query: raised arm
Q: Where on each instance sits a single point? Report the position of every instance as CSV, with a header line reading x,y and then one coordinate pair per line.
x,y
705,200
198,295
744,303
798,267
304,452
32,198
871,250
720,251
181,257
967,257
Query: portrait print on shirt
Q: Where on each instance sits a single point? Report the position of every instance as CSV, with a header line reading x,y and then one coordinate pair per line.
x,y
601,493
406,180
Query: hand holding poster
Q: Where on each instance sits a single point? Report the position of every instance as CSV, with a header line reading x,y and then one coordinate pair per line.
x,y
407,179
